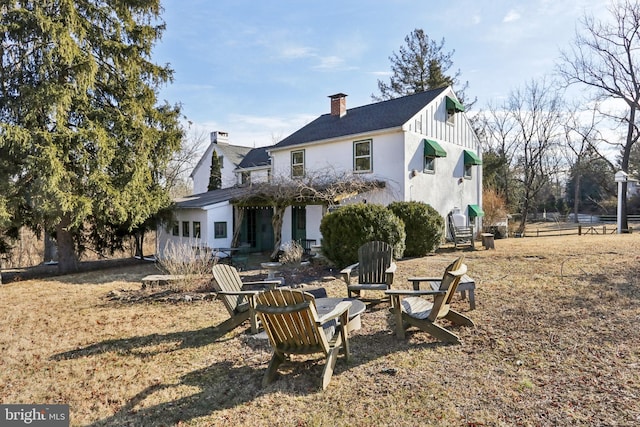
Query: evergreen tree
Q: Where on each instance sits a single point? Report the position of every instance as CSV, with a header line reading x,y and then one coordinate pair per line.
x,y
215,177
79,116
419,66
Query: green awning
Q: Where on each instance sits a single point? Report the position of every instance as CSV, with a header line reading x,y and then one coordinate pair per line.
x,y
474,211
471,158
433,149
454,105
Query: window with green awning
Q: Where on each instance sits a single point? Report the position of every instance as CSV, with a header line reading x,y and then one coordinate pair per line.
x,y
454,105
475,211
433,149
471,158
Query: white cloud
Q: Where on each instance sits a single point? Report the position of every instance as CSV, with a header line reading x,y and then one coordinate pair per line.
x,y
511,16
293,52
329,63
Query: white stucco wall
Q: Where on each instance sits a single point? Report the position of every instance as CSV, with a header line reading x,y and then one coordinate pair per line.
x,y
221,212
202,172
336,156
395,154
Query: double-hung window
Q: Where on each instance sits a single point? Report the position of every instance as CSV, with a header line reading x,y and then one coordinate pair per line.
x,y
297,164
362,156
220,230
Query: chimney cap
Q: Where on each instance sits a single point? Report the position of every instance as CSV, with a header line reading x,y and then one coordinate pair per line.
x,y
338,95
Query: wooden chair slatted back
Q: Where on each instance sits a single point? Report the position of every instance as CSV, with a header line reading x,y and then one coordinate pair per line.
x,y
374,259
449,283
227,279
291,321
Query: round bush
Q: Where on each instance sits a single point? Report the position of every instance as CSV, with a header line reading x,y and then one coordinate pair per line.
x,y
348,228
423,224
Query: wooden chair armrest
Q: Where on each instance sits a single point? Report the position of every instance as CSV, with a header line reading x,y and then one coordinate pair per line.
x,y
412,292
425,279
347,270
392,268
269,283
336,312
247,293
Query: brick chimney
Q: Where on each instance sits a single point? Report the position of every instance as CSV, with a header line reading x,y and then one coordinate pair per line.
x,y
338,104
219,137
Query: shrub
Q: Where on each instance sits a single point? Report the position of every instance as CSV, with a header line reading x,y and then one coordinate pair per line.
x,y
189,261
423,224
291,253
348,228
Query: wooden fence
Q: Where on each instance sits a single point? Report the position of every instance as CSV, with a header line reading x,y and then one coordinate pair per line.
x,y
572,230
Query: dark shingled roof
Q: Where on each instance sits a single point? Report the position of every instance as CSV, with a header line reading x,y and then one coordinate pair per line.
x,y
210,197
254,158
381,115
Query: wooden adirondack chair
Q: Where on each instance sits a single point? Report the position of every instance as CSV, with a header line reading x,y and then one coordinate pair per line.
x,y
375,269
416,311
467,284
237,296
291,321
461,235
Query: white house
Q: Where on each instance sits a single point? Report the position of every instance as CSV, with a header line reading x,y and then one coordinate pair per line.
x,y
421,146
229,157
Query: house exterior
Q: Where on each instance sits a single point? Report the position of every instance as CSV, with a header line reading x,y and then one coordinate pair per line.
x,y
421,146
230,157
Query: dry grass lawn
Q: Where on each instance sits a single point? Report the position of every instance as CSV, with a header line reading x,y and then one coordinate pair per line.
x,y
557,343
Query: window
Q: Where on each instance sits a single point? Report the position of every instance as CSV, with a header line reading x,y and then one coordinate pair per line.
x,y
220,230
297,164
467,171
453,107
451,117
362,156
432,150
185,228
429,164
221,161
470,159
196,229
245,178
175,230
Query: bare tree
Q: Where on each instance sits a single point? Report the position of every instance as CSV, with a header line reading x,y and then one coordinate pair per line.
x,y
183,162
525,130
605,57
322,187
582,138
498,129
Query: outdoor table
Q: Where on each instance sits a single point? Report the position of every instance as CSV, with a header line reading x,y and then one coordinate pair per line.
x,y
325,305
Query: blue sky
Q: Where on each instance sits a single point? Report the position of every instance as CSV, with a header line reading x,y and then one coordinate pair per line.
x,y
261,69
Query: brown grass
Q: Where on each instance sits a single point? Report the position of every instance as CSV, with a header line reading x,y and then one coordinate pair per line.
x,y
556,343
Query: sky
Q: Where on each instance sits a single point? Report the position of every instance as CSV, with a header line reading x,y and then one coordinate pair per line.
x,y
262,69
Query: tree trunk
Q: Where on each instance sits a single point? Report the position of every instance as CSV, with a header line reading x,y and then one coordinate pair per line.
x,y
576,196
67,258
49,248
139,242
238,216
524,214
276,222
